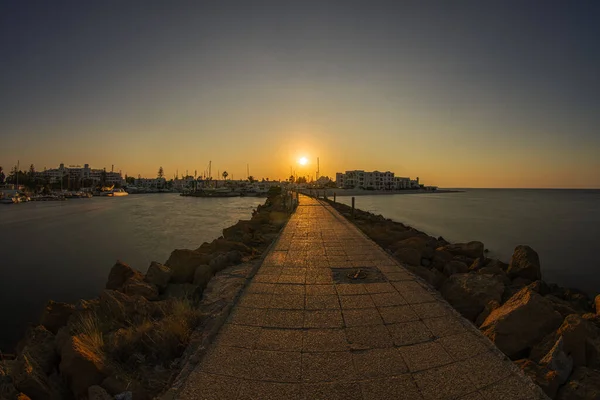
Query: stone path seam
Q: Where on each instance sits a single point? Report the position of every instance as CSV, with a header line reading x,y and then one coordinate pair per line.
x,y
295,333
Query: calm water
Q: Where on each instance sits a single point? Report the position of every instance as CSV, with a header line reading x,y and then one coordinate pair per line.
x,y
563,226
64,250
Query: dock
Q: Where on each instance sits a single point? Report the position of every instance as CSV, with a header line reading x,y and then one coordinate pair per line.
x,y
330,315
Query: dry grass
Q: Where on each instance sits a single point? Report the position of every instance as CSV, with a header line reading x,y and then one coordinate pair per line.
x,y
88,327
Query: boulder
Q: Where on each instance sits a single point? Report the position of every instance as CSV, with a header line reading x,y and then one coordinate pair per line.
x,y
98,393
524,263
38,346
487,310
455,267
597,304
81,365
183,291
121,308
521,322
557,360
202,275
496,272
584,384
56,315
234,257
543,377
222,245
117,386
432,276
576,333
158,275
470,293
470,249
119,274
440,259
219,263
424,244
183,264
563,307
408,256
29,379
140,288
478,263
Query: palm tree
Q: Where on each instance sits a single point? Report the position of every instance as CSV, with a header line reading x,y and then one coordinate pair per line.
x,y
225,175
251,179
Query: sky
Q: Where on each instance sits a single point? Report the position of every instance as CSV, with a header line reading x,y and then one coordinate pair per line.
x,y
458,93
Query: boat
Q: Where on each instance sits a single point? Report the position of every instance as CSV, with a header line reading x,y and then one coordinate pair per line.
x,y
10,197
117,193
211,192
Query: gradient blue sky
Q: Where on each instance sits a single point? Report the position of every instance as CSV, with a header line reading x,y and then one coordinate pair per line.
x,y
460,93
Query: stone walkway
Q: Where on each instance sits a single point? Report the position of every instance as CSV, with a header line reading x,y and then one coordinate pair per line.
x,y
301,330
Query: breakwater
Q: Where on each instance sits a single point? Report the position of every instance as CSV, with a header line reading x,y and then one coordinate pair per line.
x,y
140,333
552,333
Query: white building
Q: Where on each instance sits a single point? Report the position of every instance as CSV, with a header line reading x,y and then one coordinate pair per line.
x,y
77,173
375,180
150,183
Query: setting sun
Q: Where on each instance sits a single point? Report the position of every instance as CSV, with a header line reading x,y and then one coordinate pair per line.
x,y
303,160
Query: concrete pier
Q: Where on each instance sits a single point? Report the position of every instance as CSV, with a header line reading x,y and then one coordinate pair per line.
x,y
329,315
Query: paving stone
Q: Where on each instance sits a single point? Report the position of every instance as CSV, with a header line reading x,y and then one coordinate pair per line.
x,y
356,301
258,390
350,289
431,310
320,340
388,299
472,396
257,287
322,279
288,289
407,286
418,296
291,319
397,276
463,345
377,363
444,326
211,387
248,316
266,278
369,337
361,317
322,302
407,333
238,336
280,340
327,366
323,319
424,356
446,382
395,314
397,388
287,301
512,388
381,287
230,361
332,391
487,368
255,300
265,270
276,366
320,290
296,279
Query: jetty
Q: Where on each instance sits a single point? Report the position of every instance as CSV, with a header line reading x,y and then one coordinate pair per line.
x,y
330,315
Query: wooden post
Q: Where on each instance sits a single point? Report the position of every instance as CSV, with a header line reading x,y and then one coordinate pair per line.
x,y
333,197
352,207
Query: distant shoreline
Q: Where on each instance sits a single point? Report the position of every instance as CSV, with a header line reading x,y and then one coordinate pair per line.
x,y
361,192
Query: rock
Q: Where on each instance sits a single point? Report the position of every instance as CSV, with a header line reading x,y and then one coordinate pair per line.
x,y
98,393
183,264
584,384
408,256
183,290
425,262
31,380
521,322
478,264
119,387
159,275
431,276
496,272
234,257
424,244
140,288
540,286
122,308
81,365
575,332
597,304
440,259
38,346
487,310
563,307
470,249
56,315
557,360
470,293
542,376
202,275
119,274
124,396
222,245
524,263
455,267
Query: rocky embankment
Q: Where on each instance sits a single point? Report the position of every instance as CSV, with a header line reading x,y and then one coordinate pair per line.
x,y
551,333
144,330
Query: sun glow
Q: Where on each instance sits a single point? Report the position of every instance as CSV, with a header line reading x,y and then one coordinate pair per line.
x,y
303,161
